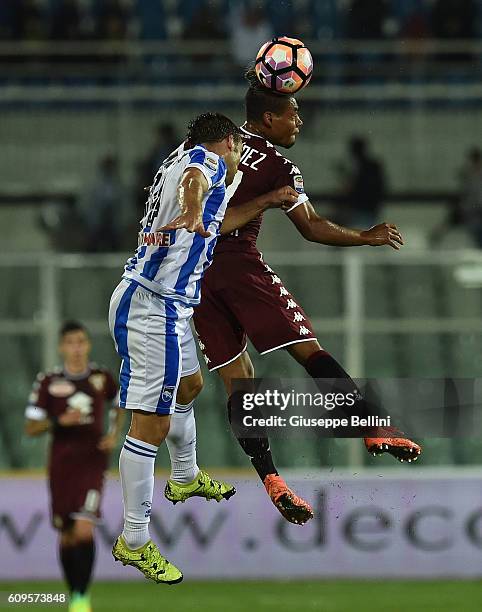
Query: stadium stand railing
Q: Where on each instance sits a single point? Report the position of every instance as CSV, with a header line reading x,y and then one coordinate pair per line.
x,y
413,314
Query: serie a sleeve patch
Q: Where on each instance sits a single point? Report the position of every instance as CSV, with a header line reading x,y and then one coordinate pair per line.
x,y
298,183
211,163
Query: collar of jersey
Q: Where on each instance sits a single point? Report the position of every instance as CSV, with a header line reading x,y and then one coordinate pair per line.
x,y
251,133
80,376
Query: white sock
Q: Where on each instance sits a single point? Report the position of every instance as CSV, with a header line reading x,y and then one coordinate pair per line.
x,y
181,443
136,466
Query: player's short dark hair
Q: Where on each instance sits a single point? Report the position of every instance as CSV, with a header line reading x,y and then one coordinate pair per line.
x,y
259,99
212,127
71,326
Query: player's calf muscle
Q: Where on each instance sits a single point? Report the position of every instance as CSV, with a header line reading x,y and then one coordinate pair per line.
x,y
302,351
189,388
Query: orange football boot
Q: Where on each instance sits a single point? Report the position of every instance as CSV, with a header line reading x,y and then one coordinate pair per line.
x,y
390,442
293,508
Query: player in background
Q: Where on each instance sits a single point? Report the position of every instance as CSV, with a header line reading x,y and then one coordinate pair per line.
x,y
69,403
243,297
149,318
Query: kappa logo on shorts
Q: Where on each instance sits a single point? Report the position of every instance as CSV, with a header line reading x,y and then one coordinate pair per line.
x,y
167,393
298,183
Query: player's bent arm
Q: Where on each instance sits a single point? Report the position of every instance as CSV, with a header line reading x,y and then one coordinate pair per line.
x,y
238,216
318,229
190,192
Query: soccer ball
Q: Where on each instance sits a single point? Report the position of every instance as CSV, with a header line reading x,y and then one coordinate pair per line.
x,y
284,65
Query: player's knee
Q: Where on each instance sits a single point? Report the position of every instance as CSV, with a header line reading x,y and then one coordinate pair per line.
x,y
151,428
242,367
83,531
196,387
67,537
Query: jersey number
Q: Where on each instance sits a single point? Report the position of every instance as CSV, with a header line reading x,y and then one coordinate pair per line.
x,y
154,199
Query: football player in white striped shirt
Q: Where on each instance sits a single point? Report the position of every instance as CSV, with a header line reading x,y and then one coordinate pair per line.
x,y
149,319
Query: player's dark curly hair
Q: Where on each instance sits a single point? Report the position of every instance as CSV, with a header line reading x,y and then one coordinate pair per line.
x,y
71,326
212,127
259,99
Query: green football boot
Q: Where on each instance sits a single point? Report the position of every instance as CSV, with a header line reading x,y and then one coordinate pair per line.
x,y
148,560
79,603
202,486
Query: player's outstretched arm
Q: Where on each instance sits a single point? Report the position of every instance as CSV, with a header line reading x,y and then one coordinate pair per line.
x,y
317,229
190,193
238,216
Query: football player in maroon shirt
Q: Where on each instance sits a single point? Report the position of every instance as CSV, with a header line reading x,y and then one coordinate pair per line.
x,y
242,297
70,403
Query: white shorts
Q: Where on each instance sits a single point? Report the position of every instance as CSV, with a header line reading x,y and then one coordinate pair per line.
x,y
153,338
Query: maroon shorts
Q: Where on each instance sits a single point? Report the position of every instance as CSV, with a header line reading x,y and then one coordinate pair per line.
x,y
241,297
76,488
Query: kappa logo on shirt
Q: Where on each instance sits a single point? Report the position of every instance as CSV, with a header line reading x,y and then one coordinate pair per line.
x,y
211,163
298,183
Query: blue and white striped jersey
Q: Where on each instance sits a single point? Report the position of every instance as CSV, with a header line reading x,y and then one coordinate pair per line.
x,y
172,263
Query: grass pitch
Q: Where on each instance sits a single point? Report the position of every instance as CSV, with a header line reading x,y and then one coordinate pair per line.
x,y
248,596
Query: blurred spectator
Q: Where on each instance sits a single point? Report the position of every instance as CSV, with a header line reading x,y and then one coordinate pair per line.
x,y
249,30
6,20
29,20
415,31
67,21
112,20
366,19
167,140
364,185
102,208
415,26
466,209
454,19
205,24
471,194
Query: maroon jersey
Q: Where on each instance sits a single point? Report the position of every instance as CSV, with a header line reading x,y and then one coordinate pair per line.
x,y
261,169
241,296
56,392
